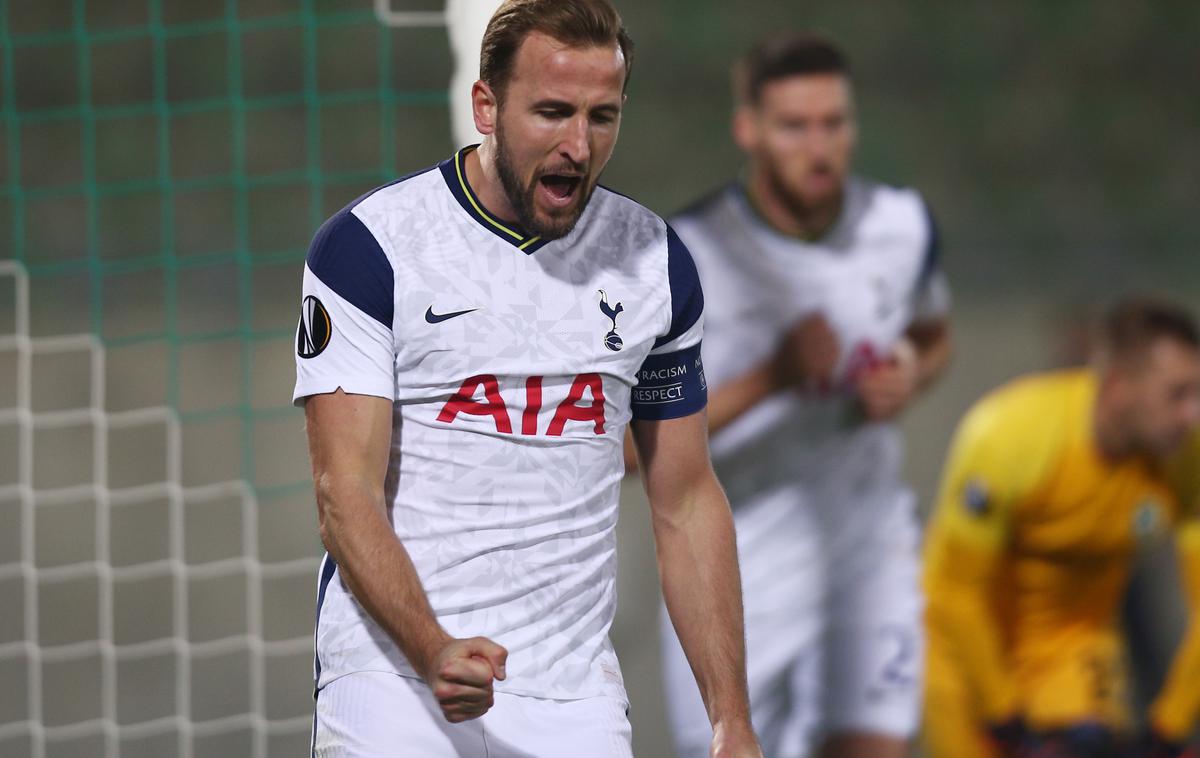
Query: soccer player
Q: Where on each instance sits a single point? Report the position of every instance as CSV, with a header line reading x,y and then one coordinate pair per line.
x,y
1052,483
473,342
826,315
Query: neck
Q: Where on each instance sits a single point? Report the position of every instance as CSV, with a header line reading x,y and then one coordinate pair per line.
x,y
1110,440
483,174
805,222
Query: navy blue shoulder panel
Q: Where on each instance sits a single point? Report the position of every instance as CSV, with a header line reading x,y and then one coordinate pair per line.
x,y
932,259
347,258
687,299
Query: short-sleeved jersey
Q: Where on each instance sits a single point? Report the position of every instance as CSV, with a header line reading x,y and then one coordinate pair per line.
x,y
1030,505
514,364
871,276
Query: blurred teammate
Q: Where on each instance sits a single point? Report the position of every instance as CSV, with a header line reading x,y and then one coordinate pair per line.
x,y
468,352
825,316
1051,484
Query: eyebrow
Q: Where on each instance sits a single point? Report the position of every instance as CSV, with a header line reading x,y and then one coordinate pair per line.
x,y
564,105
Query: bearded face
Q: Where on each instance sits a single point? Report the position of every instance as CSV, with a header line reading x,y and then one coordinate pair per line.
x,y
556,125
568,184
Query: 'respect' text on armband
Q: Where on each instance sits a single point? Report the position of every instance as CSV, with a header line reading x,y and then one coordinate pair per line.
x,y
670,385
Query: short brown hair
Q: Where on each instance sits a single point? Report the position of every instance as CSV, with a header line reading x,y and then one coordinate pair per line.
x,y
1134,323
581,23
783,56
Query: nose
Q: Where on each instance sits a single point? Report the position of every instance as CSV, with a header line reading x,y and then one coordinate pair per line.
x,y
819,144
575,144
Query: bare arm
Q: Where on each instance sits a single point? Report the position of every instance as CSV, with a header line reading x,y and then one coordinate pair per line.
x,y
727,403
697,559
349,439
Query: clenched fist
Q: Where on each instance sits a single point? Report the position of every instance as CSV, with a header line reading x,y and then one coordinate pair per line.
x,y
461,676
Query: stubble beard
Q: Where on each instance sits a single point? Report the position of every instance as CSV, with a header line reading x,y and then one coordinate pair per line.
x,y
521,198
797,205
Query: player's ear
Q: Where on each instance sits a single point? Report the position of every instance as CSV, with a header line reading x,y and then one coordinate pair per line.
x,y
745,128
485,107
1114,383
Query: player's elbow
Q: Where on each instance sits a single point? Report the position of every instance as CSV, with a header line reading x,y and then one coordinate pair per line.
x,y
701,506
339,502
326,509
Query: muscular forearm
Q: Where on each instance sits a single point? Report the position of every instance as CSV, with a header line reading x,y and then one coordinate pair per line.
x,y
726,403
734,398
378,571
697,557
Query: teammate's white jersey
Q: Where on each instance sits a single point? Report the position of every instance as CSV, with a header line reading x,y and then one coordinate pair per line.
x,y
514,365
871,276
825,527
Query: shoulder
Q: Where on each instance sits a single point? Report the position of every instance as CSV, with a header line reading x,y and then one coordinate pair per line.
x,y
347,254
636,227
622,214
900,209
1006,448
396,199
1027,422
704,208
354,225
683,279
644,231
718,210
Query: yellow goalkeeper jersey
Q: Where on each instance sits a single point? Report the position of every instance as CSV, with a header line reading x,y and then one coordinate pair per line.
x,y
1026,561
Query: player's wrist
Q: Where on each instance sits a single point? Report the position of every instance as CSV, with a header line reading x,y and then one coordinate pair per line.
x,y
734,737
425,653
733,717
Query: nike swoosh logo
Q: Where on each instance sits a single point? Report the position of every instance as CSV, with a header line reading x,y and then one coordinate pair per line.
x,y
437,318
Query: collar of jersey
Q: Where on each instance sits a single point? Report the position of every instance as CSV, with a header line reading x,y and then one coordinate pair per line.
x,y
454,171
742,192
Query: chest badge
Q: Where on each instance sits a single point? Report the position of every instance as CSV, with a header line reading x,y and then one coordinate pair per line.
x,y
612,340
1147,518
975,498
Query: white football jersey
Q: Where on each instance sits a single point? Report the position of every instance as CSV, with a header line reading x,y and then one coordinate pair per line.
x,y
514,365
872,275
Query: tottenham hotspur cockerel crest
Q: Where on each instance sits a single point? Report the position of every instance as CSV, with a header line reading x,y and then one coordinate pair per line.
x,y
612,340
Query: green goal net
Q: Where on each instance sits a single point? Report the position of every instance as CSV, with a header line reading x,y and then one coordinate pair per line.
x,y
163,165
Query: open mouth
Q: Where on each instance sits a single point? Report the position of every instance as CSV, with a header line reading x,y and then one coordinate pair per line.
x,y
561,187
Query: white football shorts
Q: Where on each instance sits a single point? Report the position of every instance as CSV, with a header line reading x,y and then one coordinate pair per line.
x,y
833,626
376,714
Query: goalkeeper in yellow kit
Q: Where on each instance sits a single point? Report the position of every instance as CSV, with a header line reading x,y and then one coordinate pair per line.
x,y
1053,482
